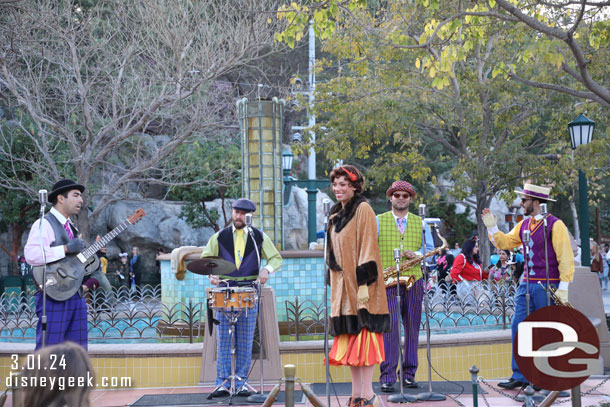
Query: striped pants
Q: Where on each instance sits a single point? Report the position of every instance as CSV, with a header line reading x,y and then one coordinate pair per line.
x,y
411,303
243,336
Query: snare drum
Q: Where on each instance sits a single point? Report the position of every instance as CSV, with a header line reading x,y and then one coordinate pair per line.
x,y
232,297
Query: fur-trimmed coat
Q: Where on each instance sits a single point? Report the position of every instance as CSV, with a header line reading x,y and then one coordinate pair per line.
x,y
354,260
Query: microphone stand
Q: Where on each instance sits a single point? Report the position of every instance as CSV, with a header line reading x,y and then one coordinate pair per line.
x,y
42,194
543,212
257,397
326,204
402,397
526,251
429,395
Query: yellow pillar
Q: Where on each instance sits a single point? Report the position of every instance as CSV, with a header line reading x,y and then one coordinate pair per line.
x,y
261,123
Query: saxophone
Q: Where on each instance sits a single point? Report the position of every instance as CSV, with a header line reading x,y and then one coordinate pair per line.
x,y
389,274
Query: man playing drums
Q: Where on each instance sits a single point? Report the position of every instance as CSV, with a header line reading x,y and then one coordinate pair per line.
x,y
236,245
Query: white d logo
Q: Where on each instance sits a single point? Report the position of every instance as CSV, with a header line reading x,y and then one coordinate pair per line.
x,y
526,336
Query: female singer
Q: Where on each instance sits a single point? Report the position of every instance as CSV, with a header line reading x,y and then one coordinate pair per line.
x,y
359,310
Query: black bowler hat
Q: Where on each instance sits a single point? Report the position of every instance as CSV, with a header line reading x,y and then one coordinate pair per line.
x,y
245,205
62,186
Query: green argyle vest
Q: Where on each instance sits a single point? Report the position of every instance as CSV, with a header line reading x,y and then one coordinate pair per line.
x,y
390,238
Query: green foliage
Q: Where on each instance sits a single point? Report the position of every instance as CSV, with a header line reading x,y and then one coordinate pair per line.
x,y
457,225
220,163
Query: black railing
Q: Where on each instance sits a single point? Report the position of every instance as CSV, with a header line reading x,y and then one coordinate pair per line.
x,y
140,316
484,306
114,315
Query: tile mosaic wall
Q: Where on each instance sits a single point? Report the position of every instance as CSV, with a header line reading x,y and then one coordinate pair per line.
x,y
300,276
452,362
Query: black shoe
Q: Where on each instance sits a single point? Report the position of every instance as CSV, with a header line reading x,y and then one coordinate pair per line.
x,y
220,392
512,384
243,392
387,387
410,384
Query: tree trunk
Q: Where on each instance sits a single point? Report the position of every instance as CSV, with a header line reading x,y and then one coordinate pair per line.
x,y
484,243
83,222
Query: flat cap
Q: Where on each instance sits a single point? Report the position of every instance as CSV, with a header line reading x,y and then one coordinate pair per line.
x,y
245,205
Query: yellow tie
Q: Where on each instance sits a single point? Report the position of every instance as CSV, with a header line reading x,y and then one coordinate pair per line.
x,y
240,246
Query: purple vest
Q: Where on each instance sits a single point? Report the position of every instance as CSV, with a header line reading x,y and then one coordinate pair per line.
x,y
248,269
535,264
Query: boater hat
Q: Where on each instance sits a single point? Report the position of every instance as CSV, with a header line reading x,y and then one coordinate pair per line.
x,y
62,186
534,191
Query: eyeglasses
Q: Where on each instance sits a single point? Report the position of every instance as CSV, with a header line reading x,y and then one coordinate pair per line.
x,y
526,199
400,196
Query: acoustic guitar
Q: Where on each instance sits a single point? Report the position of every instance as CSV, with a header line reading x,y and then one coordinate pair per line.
x,y
65,276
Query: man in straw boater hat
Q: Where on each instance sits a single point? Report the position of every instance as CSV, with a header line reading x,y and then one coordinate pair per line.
x,y
398,228
66,320
559,254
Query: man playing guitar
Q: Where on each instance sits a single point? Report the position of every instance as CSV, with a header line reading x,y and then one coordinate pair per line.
x,y
67,320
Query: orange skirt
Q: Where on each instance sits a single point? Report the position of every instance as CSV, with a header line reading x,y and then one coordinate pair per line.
x,y
363,349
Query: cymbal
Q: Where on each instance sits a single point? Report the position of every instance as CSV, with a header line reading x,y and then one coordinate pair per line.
x,y
211,265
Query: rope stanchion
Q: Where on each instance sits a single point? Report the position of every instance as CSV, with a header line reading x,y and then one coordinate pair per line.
x,y
503,393
474,370
289,379
529,396
311,396
273,394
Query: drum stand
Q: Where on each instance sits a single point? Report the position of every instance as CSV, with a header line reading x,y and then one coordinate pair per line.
x,y
232,315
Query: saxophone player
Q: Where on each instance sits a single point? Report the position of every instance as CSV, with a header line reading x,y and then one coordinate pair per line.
x,y
398,228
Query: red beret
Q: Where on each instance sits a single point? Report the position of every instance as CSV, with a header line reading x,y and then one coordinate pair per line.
x,y
401,186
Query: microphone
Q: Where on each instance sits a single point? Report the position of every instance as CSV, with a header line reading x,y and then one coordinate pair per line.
x,y
42,197
248,221
543,209
397,255
422,210
526,236
326,205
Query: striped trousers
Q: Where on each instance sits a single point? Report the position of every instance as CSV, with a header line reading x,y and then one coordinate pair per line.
x,y
243,336
411,303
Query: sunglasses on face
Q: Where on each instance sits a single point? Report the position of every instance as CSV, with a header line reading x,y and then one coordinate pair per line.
x,y
398,195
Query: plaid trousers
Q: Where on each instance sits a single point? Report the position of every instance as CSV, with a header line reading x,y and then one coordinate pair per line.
x,y
243,336
66,320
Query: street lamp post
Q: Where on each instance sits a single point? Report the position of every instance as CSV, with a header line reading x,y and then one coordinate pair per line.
x,y
310,185
581,133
